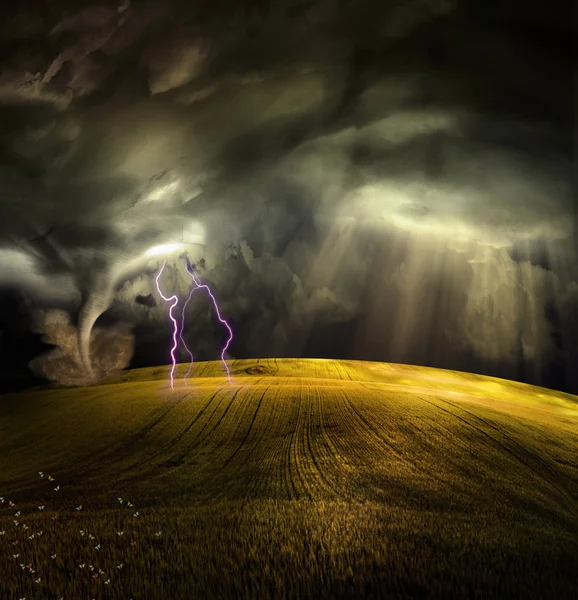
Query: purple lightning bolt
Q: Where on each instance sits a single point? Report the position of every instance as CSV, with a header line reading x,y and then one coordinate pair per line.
x,y
175,301
181,334
206,287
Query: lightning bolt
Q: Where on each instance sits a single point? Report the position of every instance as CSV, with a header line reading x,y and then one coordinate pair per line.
x,y
181,334
216,306
174,299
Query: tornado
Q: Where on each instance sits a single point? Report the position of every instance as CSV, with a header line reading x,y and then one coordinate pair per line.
x,y
97,300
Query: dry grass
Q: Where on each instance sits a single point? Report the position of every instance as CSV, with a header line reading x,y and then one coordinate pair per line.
x,y
302,479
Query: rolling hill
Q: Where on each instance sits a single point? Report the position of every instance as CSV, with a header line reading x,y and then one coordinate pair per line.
x,y
301,478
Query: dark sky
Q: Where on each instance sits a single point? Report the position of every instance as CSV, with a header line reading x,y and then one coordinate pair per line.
x,y
360,179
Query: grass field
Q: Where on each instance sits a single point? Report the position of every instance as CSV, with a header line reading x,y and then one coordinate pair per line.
x,y
300,479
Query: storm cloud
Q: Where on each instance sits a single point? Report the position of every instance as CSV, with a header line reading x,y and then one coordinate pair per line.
x,y
356,179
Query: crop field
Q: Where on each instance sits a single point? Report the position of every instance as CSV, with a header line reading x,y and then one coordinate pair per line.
x,y
300,478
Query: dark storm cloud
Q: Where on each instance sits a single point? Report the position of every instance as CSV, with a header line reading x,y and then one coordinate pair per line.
x,y
297,142
147,300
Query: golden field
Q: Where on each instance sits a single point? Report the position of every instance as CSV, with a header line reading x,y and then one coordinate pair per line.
x,y
302,478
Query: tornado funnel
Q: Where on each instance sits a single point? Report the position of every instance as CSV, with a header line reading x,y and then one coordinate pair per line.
x,y
97,301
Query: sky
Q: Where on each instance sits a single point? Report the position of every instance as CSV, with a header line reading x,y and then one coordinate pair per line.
x,y
370,180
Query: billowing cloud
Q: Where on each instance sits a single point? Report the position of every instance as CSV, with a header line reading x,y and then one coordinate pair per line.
x,y
360,166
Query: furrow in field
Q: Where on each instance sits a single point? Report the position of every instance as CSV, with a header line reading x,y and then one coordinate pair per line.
x,y
345,434
169,452
295,483
204,412
314,450
333,466
361,451
128,446
301,458
343,370
281,478
245,468
542,465
218,422
291,416
232,426
252,465
196,466
448,446
264,476
365,441
240,475
403,425
166,453
406,423
386,468
247,434
448,452
516,451
219,481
